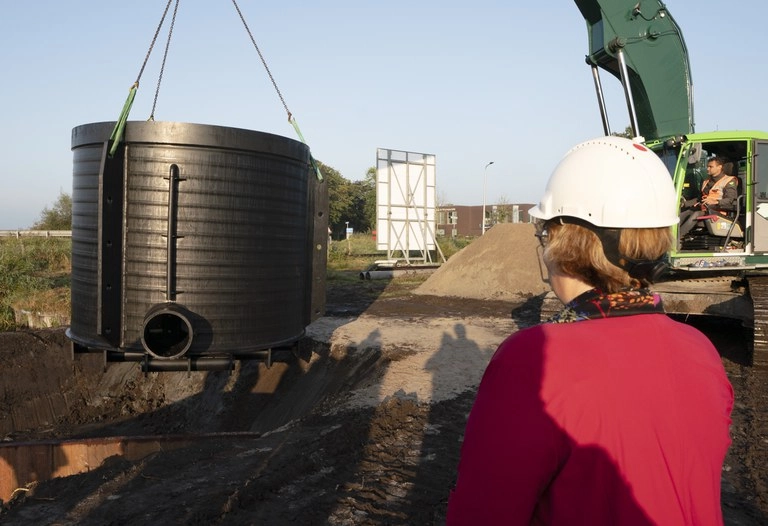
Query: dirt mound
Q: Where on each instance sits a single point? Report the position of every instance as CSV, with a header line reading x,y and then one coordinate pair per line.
x,y
502,264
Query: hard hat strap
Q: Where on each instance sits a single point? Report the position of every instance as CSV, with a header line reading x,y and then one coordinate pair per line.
x,y
647,270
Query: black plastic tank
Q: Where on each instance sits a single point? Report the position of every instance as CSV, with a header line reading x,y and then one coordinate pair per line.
x,y
193,242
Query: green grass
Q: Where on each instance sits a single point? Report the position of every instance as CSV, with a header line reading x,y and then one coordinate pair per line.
x,y
359,251
356,253
450,245
34,275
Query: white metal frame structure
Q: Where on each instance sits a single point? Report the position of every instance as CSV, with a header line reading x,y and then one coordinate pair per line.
x,y
405,205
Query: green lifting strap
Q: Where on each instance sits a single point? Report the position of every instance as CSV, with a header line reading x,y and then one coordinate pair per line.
x,y
119,129
311,158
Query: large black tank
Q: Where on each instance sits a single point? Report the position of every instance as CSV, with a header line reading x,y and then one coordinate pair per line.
x,y
193,241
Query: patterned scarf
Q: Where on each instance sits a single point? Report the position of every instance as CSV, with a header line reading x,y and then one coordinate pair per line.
x,y
594,304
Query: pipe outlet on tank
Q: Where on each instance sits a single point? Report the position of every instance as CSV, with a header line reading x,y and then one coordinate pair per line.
x,y
167,332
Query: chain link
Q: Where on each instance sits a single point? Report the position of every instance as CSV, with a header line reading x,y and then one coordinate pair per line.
x,y
152,45
165,56
271,78
167,46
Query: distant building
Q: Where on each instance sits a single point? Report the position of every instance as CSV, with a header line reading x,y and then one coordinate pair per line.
x,y
467,221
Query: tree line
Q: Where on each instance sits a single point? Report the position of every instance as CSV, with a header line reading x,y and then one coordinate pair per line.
x,y
350,201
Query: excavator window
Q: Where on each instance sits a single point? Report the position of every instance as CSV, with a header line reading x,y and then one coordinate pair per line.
x,y
726,232
761,171
695,171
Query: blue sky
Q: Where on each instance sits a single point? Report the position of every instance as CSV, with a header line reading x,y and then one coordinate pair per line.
x,y
471,82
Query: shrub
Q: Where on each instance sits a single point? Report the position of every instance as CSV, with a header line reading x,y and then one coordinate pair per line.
x,y
450,245
355,253
30,268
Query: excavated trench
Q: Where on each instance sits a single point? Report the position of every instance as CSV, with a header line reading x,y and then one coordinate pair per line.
x,y
66,416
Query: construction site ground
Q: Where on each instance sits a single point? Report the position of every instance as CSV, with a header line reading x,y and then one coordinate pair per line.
x,y
362,424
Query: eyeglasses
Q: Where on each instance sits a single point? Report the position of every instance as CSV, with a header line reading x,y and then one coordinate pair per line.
x,y
542,234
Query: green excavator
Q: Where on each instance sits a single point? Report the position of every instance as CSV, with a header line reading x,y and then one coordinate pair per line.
x,y
720,267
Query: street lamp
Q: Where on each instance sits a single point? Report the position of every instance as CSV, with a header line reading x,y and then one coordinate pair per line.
x,y
349,247
485,180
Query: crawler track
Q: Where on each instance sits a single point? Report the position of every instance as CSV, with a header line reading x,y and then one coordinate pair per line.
x,y
758,289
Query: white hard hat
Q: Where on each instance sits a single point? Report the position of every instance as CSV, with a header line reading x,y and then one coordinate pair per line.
x,y
610,182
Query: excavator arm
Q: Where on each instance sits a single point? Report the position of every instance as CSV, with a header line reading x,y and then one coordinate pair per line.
x,y
640,43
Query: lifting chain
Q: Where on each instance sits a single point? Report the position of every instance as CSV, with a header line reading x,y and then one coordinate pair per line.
x,y
117,133
272,79
264,62
165,53
154,39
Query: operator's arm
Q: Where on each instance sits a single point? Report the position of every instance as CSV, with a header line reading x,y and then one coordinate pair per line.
x,y
511,448
726,199
730,195
689,204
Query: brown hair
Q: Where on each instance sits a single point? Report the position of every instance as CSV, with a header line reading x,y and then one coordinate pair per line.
x,y
578,252
717,160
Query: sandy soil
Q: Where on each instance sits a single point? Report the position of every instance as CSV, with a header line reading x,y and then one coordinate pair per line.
x,y
503,264
362,425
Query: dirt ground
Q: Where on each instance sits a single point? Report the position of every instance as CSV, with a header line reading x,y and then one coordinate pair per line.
x,y
361,425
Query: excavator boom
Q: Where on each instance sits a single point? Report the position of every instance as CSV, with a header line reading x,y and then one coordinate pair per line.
x,y
641,44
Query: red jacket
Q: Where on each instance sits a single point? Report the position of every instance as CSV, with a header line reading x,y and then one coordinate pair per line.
x,y
615,421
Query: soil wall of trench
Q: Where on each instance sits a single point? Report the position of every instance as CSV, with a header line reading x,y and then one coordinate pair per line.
x,y
81,396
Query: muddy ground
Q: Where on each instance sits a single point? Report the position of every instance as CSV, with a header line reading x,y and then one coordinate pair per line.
x,y
337,433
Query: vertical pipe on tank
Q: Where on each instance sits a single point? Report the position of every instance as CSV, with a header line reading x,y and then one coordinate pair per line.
x,y
173,180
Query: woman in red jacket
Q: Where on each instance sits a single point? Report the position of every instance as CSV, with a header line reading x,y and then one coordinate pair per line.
x,y
612,413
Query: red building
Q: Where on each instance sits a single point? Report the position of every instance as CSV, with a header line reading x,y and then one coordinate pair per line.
x,y
467,221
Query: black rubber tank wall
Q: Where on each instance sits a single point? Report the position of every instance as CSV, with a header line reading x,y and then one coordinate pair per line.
x,y
192,240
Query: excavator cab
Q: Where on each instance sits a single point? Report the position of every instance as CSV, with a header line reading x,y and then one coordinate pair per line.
x,y
720,267
715,231
640,44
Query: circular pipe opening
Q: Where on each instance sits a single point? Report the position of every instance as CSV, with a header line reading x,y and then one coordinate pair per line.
x,y
167,333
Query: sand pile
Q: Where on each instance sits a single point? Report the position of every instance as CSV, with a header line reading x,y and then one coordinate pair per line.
x,y
502,264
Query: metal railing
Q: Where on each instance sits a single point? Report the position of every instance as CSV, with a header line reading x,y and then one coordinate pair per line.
x,y
35,233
